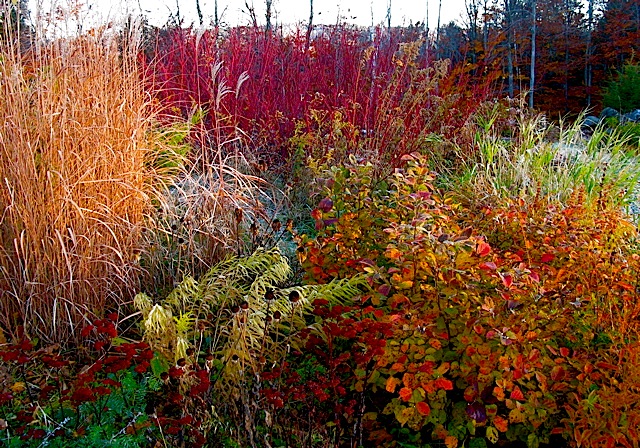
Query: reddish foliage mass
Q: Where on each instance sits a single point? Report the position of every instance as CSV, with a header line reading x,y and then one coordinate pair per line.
x,y
363,77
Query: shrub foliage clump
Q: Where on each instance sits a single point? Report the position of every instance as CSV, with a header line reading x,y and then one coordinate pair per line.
x,y
499,323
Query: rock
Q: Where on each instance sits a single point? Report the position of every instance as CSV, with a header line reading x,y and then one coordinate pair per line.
x,y
590,123
633,116
609,112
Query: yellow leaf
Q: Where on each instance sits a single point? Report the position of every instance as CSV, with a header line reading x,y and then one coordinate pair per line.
x,y
492,434
403,414
18,387
516,416
393,253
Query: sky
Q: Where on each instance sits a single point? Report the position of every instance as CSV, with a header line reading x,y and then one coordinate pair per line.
x,y
288,12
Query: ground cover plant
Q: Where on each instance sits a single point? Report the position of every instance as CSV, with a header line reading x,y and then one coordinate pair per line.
x,y
380,255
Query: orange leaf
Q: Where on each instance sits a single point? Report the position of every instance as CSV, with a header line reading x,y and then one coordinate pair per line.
x,y
409,380
392,382
451,442
405,394
429,387
500,423
423,408
443,383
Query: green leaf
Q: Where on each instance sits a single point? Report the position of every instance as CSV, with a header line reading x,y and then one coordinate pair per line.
x,y
533,441
477,443
159,364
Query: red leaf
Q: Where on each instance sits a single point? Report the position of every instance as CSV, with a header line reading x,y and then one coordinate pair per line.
x,y
557,373
507,281
516,394
564,351
427,367
606,365
316,214
488,266
423,408
483,249
546,258
325,205
534,276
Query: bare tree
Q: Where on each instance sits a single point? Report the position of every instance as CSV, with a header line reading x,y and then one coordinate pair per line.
x,y
473,11
310,25
389,16
251,11
267,15
199,11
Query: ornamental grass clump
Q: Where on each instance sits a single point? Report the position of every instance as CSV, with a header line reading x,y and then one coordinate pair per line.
x,y
75,186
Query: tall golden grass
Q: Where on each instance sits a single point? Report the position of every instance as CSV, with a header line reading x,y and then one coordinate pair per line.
x,y
74,185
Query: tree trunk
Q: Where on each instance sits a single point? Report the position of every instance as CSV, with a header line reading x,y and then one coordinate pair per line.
x,y
532,78
438,30
509,27
588,69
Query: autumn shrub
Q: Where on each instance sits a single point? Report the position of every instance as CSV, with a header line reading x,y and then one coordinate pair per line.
x,y
382,87
480,327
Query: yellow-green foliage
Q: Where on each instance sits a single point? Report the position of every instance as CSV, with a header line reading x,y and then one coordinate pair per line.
x,y
237,313
75,188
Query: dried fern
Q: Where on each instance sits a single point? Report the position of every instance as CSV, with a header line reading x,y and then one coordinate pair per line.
x,y
238,313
